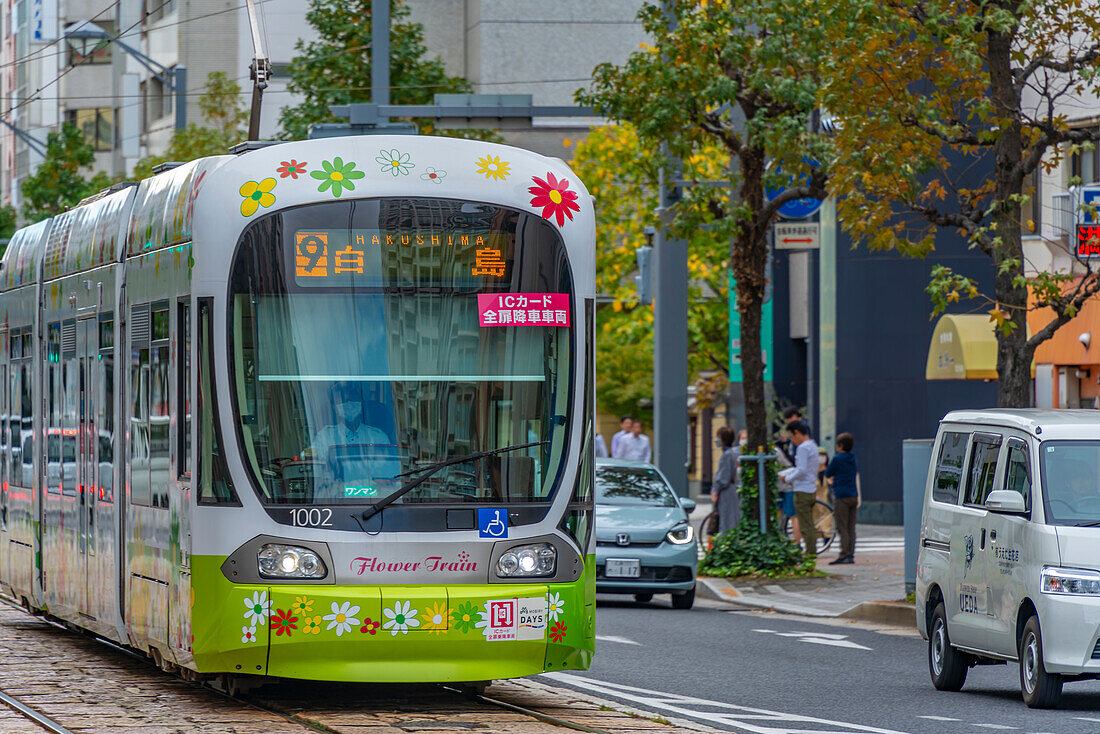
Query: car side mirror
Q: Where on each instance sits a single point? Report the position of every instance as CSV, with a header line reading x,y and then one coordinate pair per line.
x,y
1005,500
688,504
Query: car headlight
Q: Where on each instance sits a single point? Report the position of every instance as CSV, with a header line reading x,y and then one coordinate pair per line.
x,y
526,561
682,534
289,562
1070,581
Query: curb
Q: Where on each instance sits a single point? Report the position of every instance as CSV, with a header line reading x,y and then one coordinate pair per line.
x,y
896,614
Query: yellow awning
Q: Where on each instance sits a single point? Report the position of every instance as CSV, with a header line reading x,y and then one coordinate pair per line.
x,y
964,347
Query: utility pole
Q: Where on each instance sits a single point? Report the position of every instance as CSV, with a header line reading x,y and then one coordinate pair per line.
x,y
670,423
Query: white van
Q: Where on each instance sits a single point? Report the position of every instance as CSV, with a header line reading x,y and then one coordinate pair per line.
x,y
1009,562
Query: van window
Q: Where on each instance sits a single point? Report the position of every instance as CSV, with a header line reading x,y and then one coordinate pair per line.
x,y
949,468
983,467
1018,471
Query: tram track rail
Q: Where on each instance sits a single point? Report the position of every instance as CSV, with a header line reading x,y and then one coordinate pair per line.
x,y
258,702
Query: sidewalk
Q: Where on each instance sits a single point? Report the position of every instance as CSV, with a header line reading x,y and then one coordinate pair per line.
x,y
871,589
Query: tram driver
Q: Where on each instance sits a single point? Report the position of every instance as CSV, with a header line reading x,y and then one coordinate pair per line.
x,y
355,450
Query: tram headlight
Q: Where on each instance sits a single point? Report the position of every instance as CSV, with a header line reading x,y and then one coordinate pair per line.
x,y
528,561
289,562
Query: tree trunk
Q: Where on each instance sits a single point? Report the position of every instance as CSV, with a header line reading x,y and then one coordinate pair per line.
x,y
1013,354
750,261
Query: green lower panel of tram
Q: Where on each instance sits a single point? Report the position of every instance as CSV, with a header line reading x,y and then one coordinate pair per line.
x,y
396,634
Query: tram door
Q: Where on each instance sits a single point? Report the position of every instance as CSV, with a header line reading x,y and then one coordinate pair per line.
x,y
87,478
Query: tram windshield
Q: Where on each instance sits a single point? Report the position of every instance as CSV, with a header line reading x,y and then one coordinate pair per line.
x,y
372,338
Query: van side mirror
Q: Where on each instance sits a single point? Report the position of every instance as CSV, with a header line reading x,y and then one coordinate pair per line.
x,y
688,504
1005,500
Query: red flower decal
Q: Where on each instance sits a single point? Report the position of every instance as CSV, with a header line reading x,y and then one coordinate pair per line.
x,y
370,627
291,169
555,198
282,622
557,632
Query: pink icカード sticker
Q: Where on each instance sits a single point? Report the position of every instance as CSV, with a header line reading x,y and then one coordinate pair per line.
x,y
523,309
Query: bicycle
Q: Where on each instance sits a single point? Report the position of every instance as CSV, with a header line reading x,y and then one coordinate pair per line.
x,y
823,525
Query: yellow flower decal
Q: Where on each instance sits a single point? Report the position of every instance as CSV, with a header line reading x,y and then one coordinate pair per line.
x,y
301,605
256,194
491,166
435,618
311,625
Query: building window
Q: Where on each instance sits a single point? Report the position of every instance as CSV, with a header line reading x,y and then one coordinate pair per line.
x,y
1086,165
91,50
152,91
1032,210
157,9
97,124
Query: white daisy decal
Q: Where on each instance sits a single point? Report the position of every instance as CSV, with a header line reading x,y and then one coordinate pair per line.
x,y
554,606
248,634
342,617
400,618
395,162
257,608
433,175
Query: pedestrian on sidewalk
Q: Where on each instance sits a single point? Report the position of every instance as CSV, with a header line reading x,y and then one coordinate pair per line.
x,y
803,480
723,491
635,445
625,424
843,472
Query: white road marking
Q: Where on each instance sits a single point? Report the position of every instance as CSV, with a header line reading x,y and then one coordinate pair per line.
x,y
938,718
995,726
1085,718
819,638
616,638
740,718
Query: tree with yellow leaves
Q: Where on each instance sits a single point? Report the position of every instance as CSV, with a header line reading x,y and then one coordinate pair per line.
x,y
621,173
739,76
947,109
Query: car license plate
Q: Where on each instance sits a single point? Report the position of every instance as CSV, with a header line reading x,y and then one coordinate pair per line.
x,y
622,568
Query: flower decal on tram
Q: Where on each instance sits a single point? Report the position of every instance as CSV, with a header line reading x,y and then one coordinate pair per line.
x,y
311,625
433,175
400,618
464,617
370,626
256,194
283,623
435,618
493,168
554,606
342,618
337,176
248,634
554,198
257,608
395,162
291,169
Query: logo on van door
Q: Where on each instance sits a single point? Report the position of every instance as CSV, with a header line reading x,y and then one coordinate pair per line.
x,y
968,552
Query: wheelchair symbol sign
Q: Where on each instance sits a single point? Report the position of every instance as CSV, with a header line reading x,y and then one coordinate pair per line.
x,y
492,522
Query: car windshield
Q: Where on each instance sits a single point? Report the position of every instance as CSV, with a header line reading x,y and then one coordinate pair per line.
x,y
1071,481
372,338
621,485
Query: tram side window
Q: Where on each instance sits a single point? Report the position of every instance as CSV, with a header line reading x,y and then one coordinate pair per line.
x,y
70,398
183,382
213,472
578,521
106,418
53,423
159,408
27,415
140,487
13,442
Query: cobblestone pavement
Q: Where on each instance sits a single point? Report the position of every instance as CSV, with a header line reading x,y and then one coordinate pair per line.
x,y
89,687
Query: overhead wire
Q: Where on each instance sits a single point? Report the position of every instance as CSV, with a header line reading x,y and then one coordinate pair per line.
x,y
41,51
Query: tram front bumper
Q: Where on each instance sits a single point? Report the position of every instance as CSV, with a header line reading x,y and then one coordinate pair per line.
x,y
398,634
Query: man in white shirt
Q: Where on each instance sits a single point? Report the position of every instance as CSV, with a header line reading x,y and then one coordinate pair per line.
x,y
635,445
625,423
803,480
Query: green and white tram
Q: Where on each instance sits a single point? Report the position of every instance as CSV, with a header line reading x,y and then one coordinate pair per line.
x,y
320,410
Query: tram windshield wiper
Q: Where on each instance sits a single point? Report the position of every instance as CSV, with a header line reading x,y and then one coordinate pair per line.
x,y
425,472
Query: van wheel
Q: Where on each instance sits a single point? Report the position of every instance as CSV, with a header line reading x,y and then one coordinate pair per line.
x,y
684,600
643,598
947,665
1041,690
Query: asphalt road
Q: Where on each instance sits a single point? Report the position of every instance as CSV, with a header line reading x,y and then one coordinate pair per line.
x,y
763,672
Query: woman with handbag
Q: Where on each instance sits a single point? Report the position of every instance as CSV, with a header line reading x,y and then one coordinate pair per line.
x,y
723,491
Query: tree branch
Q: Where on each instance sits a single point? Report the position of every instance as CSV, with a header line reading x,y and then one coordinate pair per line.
x,y
1066,310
